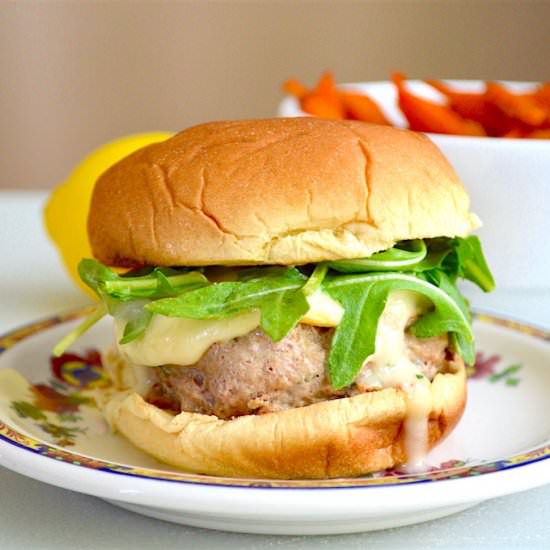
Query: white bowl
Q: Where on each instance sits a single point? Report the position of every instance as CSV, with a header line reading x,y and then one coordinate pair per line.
x,y
508,181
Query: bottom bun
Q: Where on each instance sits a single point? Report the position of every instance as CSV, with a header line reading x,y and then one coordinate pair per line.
x,y
339,438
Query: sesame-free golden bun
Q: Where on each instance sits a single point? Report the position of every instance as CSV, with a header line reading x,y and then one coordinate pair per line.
x,y
280,191
344,437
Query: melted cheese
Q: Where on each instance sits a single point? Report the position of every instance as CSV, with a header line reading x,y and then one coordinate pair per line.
x,y
137,378
170,340
323,311
418,398
389,366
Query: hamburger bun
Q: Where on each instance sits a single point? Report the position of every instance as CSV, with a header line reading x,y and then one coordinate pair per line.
x,y
339,438
281,191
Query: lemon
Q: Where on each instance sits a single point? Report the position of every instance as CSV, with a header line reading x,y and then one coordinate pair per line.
x,y
66,210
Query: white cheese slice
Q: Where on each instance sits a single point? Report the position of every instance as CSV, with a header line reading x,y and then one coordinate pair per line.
x,y
176,341
323,310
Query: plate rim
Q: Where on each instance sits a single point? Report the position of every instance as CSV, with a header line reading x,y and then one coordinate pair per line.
x,y
26,444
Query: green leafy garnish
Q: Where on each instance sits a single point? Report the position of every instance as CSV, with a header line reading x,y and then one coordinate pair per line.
x,y
315,279
278,295
99,312
363,298
160,282
402,257
469,262
361,286
115,289
137,320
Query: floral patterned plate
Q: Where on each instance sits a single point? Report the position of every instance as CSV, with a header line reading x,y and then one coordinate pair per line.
x,y
50,430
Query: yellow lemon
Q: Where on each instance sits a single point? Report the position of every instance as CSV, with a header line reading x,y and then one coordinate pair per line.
x,y
67,207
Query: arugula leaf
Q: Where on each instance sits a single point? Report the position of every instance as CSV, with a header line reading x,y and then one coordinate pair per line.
x,y
441,280
464,347
136,316
421,329
132,288
458,257
94,274
315,279
154,285
69,339
438,251
471,263
363,298
402,257
281,311
277,294
160,282
355,337
424,327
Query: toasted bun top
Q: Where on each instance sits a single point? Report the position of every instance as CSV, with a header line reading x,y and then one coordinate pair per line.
x,y
280,191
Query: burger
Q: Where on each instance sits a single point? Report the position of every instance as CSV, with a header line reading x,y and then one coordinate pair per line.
x,y
287,305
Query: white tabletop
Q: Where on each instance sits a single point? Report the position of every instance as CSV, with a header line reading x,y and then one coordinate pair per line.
x,y
36,515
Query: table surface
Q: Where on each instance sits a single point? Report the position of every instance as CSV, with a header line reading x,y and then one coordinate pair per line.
x,y
36,515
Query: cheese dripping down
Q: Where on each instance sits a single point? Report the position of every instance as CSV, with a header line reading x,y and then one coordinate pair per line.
x,y
390,366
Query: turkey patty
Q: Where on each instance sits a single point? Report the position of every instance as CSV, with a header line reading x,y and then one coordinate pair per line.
x,y
252,374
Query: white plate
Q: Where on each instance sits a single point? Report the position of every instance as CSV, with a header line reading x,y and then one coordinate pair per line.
x,y
501,446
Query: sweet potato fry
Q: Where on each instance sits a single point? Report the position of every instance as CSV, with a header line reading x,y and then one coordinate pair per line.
x,y
516,132
496,112
521,107
319,105
326,88
542,98
542,95
294,87
539,134
466,104
362,107
427,116
323,101
475,107
326,85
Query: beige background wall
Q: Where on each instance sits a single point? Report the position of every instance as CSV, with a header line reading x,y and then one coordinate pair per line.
x,y
75,74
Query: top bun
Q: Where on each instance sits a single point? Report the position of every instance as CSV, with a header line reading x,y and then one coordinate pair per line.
x,y
281,191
